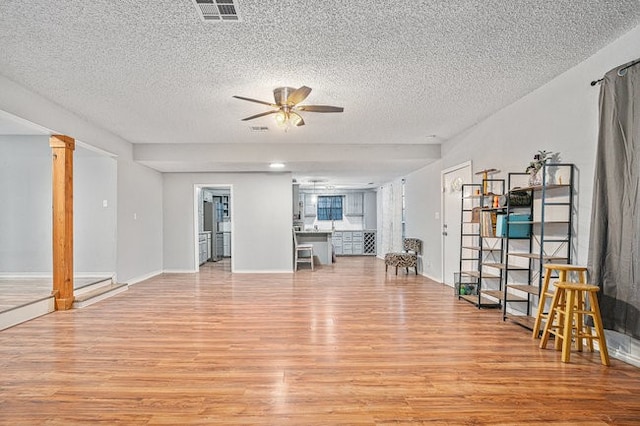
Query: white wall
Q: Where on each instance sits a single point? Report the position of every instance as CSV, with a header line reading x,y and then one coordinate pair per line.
x,y
25,216
94,224
139,243
261,212
389,218
561,116
25,219
422,202
140,219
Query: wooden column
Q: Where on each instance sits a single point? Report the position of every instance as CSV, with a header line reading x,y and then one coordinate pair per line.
x,y
62,149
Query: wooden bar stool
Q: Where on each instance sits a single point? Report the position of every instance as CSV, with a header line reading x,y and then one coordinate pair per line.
x,y
569,302
545,292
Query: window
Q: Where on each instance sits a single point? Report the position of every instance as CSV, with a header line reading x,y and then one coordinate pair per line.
x,y
330,207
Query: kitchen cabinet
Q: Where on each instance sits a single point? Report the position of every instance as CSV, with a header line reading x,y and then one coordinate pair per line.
x,y
354,204
208,234
202,248
309,205
355,243
337,242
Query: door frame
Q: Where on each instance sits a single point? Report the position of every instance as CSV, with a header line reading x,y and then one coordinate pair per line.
x,y
466,164
196,218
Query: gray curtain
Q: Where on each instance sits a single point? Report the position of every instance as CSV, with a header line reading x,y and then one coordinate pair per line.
x,y
614,245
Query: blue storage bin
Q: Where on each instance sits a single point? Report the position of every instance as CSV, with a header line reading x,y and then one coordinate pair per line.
x,y
516,230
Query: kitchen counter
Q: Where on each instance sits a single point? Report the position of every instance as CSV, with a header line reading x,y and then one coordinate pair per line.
x,y
321,241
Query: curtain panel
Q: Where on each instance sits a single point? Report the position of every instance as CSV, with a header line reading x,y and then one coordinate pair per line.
x,y
614,244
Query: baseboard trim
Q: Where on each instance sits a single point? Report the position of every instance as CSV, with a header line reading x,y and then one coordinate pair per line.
x,y
141,278
10,275
26,312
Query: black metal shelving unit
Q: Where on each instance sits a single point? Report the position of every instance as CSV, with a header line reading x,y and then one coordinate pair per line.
x,y
480,250
550,241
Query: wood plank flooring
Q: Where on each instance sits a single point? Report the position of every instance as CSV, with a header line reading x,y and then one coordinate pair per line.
x,y
344,344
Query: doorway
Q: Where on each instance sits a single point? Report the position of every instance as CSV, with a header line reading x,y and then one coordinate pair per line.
x,y
214,231
452,180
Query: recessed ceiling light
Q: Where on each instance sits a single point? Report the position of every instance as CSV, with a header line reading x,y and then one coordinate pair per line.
x,y
277,165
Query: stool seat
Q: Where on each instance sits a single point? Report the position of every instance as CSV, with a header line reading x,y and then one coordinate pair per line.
x,y
562,270
571,302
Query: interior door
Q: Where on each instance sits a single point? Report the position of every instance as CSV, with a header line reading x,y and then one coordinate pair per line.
x,y
452,180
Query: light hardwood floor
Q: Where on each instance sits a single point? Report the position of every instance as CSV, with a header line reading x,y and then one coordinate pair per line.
x,y
344,344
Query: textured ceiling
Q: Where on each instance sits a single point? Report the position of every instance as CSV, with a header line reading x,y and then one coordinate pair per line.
x,y
406,73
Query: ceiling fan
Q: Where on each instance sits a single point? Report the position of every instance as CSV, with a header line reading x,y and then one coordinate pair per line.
x,y
286,105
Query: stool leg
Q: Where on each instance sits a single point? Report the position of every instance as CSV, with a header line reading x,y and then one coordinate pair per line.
x,y
579,319
597,323
570,306
561,314
582,277
396,270
552,314
541,302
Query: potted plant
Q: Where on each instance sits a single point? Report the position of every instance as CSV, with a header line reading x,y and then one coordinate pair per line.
x,y
536,165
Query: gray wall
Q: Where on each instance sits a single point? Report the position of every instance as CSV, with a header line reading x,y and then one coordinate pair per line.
x,y
140,216
261,212
25,219
94,241
25,216
422,202
139,189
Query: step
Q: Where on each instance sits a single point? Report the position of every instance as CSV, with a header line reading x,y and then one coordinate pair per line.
x,y
27,312
92,285
93,293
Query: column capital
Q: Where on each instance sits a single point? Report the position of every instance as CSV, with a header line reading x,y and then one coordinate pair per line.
x,y
62,141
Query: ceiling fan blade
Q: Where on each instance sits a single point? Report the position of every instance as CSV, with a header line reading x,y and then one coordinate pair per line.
x,y
298,95
262,114
319,108
296,119
256,101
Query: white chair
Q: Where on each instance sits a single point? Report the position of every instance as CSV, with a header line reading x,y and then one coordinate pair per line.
x,y
302,249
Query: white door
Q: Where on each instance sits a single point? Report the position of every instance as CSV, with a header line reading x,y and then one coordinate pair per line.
x,y
452,180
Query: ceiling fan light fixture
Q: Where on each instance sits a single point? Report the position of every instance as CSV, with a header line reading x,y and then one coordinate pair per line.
x,y
295,119
281,118
286,105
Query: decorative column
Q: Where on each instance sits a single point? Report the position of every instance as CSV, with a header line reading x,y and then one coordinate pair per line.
x,y
62,148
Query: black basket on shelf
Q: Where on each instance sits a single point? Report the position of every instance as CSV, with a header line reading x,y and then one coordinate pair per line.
x,y
465,285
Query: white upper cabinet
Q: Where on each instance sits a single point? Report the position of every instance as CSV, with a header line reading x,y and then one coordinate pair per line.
x,y
354,204
309,205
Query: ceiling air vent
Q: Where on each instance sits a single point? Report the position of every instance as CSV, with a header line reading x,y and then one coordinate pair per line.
x,y
217,10
259,128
